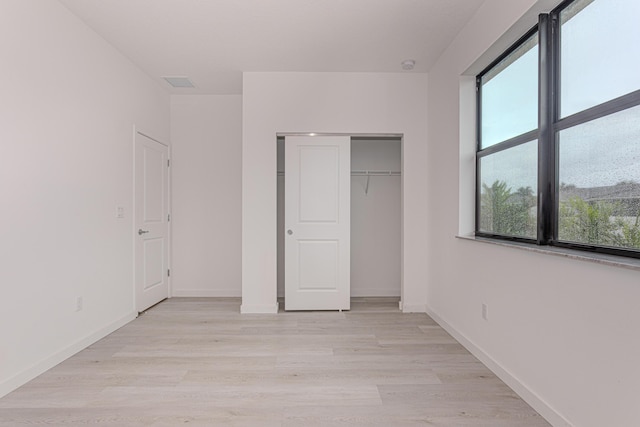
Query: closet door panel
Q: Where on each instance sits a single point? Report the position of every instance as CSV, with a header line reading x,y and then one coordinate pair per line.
x,y
317,223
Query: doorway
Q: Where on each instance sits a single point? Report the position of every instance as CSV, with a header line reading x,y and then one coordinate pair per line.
x,y
376,216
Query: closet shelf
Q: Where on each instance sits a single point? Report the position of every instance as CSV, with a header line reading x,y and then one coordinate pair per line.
x,y
368,174
376,173
365,173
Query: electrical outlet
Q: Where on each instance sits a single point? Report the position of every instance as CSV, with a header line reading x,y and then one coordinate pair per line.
x,y
79,304
485,311
120,212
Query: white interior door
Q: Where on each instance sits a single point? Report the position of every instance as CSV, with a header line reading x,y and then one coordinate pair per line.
x,y
317,222
151,222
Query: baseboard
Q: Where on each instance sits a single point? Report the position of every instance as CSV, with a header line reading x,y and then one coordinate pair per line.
x,y
375,292
535,401
259,309
44,365
207,293
413,308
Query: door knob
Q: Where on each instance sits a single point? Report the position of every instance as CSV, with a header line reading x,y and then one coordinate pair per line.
x,y
289,232
141,231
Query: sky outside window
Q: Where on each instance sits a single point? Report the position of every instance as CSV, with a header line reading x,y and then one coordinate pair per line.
x,y
600,52
510,95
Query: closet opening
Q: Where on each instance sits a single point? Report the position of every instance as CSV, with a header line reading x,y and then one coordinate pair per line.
x,y
376,216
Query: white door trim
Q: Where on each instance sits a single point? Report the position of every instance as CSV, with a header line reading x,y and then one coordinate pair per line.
x,y
400,136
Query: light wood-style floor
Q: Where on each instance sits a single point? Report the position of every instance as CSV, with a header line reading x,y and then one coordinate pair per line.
x,y
198,362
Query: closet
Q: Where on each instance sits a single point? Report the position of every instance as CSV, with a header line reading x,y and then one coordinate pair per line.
x,y
376,189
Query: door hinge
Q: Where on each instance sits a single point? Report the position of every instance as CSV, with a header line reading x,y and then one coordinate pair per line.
x,y
168,273
168,217
168,162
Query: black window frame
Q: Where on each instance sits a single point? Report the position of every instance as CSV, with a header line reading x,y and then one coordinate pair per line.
x,y
546,134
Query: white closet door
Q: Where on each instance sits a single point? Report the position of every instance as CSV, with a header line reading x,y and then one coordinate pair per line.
x,y
317,222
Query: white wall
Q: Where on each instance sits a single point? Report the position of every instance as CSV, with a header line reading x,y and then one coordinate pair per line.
x,y
562,332
206,133
328,102
375,219
67,111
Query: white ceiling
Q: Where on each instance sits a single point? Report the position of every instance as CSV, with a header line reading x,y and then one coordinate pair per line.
x,y
214,41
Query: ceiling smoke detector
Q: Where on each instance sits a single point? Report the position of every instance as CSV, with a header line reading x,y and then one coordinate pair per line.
x,y
408,64
179,82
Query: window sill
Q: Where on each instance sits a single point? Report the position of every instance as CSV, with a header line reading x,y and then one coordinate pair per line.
x,y
611,260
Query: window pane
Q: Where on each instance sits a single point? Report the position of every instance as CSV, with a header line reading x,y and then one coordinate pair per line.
x,y
599,52
510,96
508,192
599,174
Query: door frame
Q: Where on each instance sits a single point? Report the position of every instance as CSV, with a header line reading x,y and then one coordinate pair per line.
x,y
135,132
399,136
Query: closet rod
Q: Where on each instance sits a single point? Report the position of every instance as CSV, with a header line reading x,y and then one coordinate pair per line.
x,y
377,173
366,173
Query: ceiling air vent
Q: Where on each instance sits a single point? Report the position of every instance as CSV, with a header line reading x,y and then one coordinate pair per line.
x,y
179,81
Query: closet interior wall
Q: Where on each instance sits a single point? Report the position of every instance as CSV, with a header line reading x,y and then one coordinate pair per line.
x,y
375,217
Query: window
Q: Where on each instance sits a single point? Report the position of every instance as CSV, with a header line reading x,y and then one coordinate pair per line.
x,y
508,156
558,157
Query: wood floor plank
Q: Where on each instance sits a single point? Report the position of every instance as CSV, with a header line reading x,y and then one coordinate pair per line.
x,y
400,416
199,362
275,395
312,376
154,416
